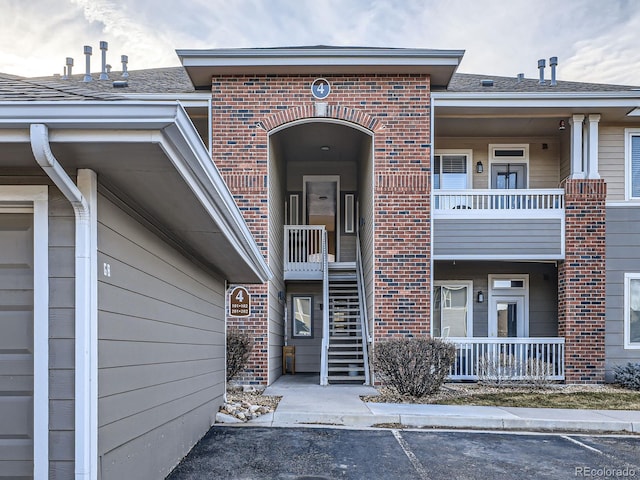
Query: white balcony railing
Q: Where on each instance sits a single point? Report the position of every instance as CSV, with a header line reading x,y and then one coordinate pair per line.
x,y
303,249
464,202
508,358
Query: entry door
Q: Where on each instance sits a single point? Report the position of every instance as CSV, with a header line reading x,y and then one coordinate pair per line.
x,y
507,176
321,207
16,345
507,317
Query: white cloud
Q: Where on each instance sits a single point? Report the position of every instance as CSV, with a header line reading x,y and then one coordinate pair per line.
x,y
594,40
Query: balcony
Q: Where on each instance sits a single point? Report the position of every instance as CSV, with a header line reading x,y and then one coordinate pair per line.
x,y
508,358
498,224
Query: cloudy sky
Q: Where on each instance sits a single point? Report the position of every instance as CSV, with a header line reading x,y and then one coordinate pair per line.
x,y
595,40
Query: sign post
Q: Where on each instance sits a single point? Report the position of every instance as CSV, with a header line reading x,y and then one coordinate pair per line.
x,y
240,305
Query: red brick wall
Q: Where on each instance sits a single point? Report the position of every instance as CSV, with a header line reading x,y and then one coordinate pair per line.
x,y
396,108
581,282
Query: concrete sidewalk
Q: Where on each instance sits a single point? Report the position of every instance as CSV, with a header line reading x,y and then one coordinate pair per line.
x,y
304,402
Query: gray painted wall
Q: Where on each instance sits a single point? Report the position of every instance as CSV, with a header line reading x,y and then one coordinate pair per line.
x,y
623,256
515,236
543,291
161,350
61,323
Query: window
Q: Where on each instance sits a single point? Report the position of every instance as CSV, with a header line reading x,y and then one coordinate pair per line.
x,y
294,209
452,309
451,170
302,317
349,213
632,154
632,310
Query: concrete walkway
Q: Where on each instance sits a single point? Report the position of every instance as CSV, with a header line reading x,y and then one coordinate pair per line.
x,y
304,402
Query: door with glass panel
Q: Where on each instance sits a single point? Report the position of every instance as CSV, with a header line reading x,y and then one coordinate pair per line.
x,y
452,310
507,319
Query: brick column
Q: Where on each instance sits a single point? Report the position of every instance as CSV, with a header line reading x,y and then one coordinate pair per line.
x,y
403,243
581,281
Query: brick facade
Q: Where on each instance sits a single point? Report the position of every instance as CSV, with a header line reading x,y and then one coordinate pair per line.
x,y
396,108
581,282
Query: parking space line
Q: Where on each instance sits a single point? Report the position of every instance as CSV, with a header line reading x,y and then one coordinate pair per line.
x,y
577,442
422,472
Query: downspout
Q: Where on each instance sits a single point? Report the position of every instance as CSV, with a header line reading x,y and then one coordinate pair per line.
x,y
85,299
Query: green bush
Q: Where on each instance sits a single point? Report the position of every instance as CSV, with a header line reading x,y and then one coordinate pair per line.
x,y
239,346
414,366
628,376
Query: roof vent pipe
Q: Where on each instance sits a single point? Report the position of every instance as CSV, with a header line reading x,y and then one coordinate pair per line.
x,y
104,46
541,65
520,77
553,63
124,59
67,69
108,67
87,74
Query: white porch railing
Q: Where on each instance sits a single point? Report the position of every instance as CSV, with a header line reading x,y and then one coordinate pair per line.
x,y
460,201
303,249
512,358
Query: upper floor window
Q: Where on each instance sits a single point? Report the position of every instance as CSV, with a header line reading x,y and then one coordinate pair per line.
x,y
451,170
632,161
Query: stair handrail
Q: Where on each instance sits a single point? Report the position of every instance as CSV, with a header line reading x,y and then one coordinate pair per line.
x,y
364,318
324,366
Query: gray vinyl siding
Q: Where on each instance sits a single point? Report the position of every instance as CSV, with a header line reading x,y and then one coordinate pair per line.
x,y
623,256
61,323
161,350
611,161
276,262
308,350
543,291
517,236
62,336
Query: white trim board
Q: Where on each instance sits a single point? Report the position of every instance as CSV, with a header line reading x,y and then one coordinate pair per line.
x,y
37,196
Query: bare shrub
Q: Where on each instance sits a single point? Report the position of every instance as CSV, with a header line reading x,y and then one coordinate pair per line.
x,y
537,373
498,370
414,366
239,346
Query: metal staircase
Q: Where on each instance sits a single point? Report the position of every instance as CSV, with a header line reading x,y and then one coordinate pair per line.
x,y
347,362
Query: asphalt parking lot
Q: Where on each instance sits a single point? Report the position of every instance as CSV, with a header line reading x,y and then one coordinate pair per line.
x,y
332,453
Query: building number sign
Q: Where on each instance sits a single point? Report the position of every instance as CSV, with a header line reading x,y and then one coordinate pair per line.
x,y
240,302
320,88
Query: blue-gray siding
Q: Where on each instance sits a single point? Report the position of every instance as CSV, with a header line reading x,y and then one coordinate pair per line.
x,y
522,237
623,256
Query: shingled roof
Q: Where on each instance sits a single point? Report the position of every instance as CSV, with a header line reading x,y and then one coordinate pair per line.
x,y
13,88
464,82
152,80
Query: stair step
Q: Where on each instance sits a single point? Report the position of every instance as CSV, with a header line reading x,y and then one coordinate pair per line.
x,y
358,378
347,360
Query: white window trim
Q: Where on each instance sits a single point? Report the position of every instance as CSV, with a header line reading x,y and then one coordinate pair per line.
x,y
511,160
36,197
628,134
460,283
451,151
627,317
509,292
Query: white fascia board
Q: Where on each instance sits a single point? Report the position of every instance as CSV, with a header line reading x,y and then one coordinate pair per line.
x,y
318,56
102,114
186,99
189,155
539,100
634,113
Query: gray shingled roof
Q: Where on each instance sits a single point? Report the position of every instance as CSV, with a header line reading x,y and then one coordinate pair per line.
x,y
464,82
152,80
13,88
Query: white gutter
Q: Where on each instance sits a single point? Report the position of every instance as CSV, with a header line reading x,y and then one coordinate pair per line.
x,y
86,434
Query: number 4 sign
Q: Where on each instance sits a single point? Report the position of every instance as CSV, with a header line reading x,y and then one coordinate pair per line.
x,y
320,88
240,305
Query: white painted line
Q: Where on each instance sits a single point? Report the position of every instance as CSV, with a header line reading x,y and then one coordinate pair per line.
x,y
422,472
584,445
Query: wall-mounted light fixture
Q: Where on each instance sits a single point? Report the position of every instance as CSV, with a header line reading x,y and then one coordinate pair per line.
x,y
480,297
562,125
479,167
281,296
